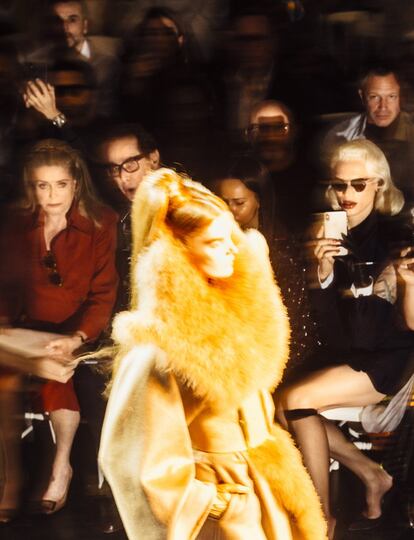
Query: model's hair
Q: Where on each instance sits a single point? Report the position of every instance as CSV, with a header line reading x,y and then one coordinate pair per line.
x,y
50,152
389,199
166,199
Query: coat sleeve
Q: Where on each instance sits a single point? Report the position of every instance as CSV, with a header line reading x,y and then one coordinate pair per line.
x,y
97,308
146,454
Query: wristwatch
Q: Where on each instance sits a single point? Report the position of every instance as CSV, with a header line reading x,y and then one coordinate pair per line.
x,y
59,120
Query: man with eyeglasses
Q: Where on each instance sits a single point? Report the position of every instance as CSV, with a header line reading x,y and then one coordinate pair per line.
x,y
120,156
123,156
382,122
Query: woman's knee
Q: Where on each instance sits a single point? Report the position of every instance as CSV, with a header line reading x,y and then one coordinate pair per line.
x,y
297,396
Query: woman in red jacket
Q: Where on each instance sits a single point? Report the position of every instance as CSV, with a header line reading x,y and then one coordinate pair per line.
x,y
69,281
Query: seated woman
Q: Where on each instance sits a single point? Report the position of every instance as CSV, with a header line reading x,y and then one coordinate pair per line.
x,y
241,187
188,443
68,280
366,346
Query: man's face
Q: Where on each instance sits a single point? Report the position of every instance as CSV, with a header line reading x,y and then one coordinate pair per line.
x,y
125,153
74,23
270,132
381,97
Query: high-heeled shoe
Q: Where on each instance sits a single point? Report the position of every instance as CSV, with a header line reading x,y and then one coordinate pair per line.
x,y
367,524
49,506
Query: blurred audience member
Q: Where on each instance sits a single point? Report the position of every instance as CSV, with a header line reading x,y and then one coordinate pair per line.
x,y
156,57
199,19
96,52
384,123
273,137
61,105
249,67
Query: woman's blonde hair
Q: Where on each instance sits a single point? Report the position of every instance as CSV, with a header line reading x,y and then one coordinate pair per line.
x,y
389,199
50,152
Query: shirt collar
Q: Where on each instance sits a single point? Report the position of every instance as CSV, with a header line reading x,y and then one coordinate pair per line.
x,y
85,49
75,220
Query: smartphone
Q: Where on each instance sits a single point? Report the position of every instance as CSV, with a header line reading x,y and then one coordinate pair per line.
x,y
335,225
32,72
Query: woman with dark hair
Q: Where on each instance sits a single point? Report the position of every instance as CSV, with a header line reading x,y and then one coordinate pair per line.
x,y
68,282
243,186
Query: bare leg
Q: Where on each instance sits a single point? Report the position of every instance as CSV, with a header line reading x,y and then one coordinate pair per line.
x,y
65,424
326,389
376,480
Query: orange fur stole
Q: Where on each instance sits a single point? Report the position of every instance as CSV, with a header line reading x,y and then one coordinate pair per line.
x,y
224,339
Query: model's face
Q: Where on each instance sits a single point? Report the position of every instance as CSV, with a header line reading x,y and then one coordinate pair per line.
x,y
381,97
122,152
243,202
54,189
357,204
74,23
212,250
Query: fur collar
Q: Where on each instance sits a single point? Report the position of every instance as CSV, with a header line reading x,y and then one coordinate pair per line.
x,y
223,339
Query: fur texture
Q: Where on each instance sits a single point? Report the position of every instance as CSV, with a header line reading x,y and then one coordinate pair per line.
x,y
280,462
224,339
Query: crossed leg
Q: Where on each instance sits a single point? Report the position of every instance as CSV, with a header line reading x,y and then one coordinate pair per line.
x,y
319,439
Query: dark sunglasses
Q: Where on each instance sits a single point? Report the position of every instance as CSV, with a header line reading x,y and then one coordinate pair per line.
x,y
281,128
358,184
49,262
130,165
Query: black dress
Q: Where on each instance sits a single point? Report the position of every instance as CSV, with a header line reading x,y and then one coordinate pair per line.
x,y
367,331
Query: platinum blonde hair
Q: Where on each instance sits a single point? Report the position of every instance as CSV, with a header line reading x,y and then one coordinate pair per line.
x,y
389,199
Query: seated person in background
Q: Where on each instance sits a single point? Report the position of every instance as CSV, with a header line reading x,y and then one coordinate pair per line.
x,y
273,137
367,347
382,122
241,187
73,17
68,280
62,104
122,155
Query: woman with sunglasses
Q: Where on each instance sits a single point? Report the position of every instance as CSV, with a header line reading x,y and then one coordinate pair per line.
x,y
68,284
366,346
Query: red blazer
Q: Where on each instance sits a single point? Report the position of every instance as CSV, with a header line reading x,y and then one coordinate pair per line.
x,y
85,260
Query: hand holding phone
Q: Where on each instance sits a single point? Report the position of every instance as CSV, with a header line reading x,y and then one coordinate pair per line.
x,y
330,228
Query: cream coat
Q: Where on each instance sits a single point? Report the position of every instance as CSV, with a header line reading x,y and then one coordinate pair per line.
x,y
190,406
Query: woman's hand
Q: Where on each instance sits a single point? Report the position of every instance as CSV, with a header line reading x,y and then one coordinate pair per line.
x,y
405,267
64,346
41,96
325,251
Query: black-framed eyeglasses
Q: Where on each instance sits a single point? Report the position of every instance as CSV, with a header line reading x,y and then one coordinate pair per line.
x,y
49,262
129,165
358,184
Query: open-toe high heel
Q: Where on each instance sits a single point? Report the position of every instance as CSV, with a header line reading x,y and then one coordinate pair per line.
x,y
49,506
